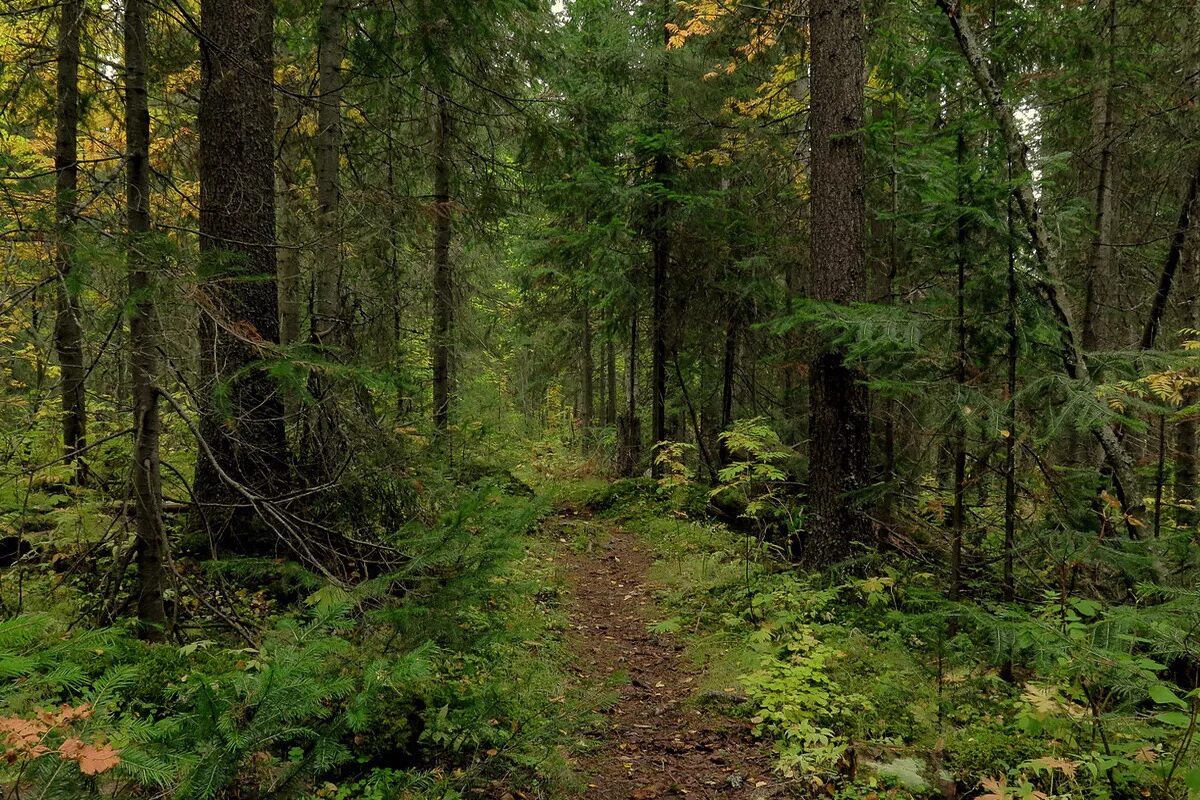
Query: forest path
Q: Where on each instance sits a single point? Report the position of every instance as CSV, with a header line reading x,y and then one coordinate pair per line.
x,y
657,743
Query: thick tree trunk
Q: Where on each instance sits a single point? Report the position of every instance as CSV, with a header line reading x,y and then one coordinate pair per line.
x,y
143,334
68,330
321,445
242,414
1047,281
840,422
443,287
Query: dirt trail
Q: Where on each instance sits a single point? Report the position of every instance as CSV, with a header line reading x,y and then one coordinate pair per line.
x,y
657,744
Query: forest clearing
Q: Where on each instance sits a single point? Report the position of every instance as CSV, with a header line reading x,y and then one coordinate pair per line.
x,y
611,399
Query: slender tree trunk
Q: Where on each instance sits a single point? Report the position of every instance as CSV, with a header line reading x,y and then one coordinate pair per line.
x,y
1010,442
68,329
1187,211
629,427
840,422
1047,280
610,360
958,513
661,246
728,369
242,414
443,287
587,369
328,321
143,334
1185,428
1099,268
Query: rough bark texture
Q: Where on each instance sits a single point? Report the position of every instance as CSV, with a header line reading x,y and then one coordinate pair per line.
x,y
840,423
443,286
242,417
1047,279
68,330
328,322
143,335
1099,272
322,444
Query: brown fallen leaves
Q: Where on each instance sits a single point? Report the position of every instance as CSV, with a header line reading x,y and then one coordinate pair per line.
x,y
33,738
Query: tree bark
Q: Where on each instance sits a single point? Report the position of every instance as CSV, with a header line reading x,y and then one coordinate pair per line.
x,y
840,423
587,368
327,316
610,360
322,446
1166,278
629,433
661,251
1099,268
242,411
1185,428
443,287
68,329
1047,281
143,334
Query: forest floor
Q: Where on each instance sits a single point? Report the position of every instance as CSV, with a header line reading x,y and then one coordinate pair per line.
x,y
658,741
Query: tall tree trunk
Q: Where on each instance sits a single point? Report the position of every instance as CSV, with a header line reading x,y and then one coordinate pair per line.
x,y
329,334
1099,267
958,513
242,414
68,330
143,334
610,366
1010,416
840,422
1187,210
443,286
587,369
1047,279
661,247
328,321
1185,429
629,433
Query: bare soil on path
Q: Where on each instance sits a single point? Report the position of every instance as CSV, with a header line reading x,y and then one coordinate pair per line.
x,y
658,742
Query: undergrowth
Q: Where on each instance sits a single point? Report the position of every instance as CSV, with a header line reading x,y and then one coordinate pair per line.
x,y
872,684
440,676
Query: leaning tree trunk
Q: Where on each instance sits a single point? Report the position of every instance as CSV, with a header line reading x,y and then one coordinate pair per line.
x,y
1047,279
68,330
243,458
443,289
143,334
840,422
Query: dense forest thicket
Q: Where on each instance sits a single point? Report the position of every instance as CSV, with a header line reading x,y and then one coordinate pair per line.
x,y
604,398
